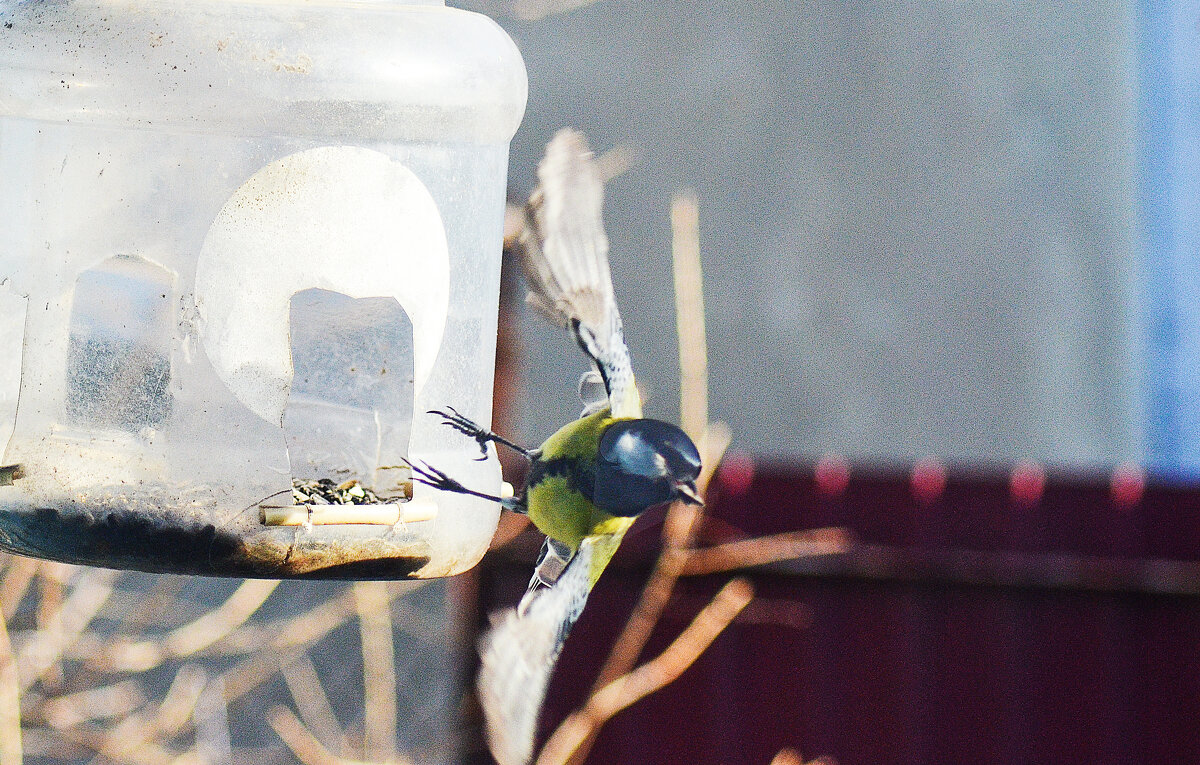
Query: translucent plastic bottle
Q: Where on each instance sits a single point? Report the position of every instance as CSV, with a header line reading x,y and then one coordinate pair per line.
x,y
246,245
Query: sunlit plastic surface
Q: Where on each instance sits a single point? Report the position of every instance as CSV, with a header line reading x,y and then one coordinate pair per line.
x,y
247,244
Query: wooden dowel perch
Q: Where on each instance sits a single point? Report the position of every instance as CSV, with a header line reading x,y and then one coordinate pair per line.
x,y
383,514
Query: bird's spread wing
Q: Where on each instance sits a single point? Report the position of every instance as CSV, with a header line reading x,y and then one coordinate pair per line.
x,y
565,255
518,656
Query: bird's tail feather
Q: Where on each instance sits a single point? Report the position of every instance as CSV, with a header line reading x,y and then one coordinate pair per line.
x,y
518,655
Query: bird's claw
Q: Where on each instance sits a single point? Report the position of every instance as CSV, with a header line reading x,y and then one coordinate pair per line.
x,y
465,426
431,476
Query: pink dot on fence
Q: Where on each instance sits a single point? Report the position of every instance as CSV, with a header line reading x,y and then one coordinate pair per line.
x,y
737,473
928,479
832,474
1027,483
1127,485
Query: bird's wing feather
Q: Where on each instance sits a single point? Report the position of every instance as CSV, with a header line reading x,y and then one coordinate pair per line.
x,y
564,245
565,255
518,655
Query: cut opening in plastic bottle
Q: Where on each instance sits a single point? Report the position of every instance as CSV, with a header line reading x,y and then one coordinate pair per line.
x,y
119,347
349,412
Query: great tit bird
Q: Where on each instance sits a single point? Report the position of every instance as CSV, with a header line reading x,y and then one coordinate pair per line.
x,y
588,482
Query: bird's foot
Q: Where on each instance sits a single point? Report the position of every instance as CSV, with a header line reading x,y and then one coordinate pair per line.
x,y
467,427
431,476
472,429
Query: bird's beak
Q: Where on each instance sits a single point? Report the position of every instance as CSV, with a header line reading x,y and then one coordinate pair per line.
x,y
687,492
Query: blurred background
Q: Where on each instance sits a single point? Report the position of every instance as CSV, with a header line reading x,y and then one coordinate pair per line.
x,y
950,272
919,221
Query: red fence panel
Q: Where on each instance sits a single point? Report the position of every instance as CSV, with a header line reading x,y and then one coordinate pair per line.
x,y
977,617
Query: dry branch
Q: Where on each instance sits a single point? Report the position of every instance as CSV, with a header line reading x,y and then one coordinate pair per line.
x,y
290,635
97,741
533,10
677,534
65,625
759,551
649,677
214,625
211,722
16,583
311,701
689,313
195,636
792,757
681,520
616,161
92,704
10,701
134,739
153,605
379,670
307,749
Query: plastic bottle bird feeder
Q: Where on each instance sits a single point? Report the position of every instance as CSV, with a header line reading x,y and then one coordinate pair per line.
x,y
245,247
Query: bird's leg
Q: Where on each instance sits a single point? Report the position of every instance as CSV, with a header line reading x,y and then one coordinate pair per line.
x,y
481,434
431,476
551,563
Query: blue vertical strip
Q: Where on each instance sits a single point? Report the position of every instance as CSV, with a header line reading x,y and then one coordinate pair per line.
x,y
1169,57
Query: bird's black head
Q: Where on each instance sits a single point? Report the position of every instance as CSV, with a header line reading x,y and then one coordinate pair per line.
x,y
643,463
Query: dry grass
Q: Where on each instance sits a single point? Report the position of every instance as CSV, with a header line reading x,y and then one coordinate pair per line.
x,y
105,667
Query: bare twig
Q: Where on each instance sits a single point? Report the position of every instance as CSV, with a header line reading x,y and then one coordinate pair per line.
x,y
299,739
179,704
681,520
787,757
677,534
379,670
211,722
52,745
649,677
108,701
792,757
220,622
151,605
760,551
689,313
10,702
15,584
307,749
261,643
311,701
533,10
617,160
52,584
97,741
66,625
193,637
135,739
290,635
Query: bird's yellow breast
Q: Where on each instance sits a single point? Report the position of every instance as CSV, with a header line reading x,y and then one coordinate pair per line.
x,y
553,502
